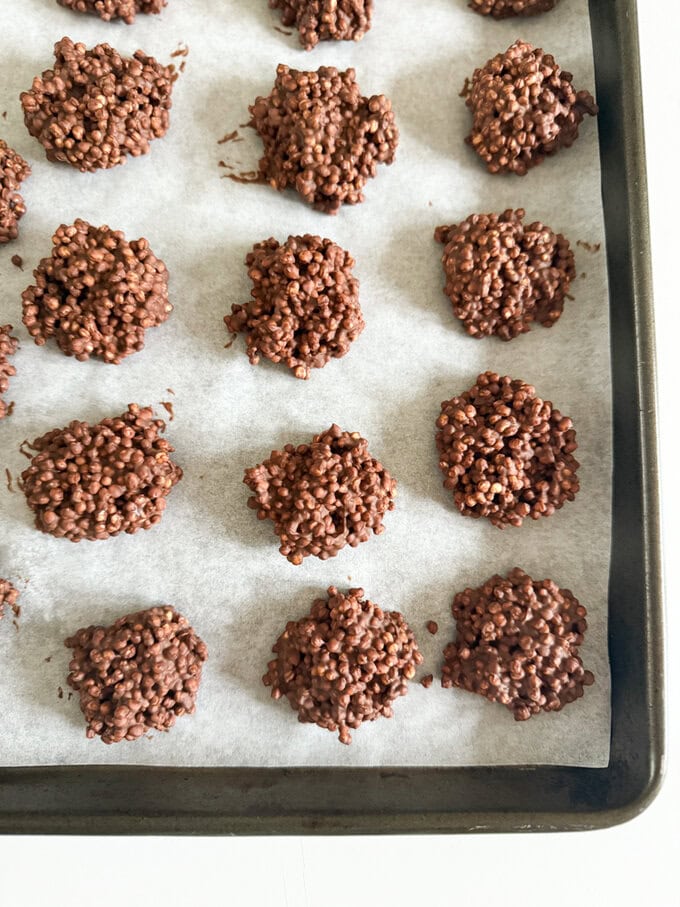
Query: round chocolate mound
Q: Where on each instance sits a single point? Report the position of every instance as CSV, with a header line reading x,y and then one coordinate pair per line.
x,y
502,274
13,171
505,453
524,108
8,347
305,309
96,107
322,137
140,674
326,20
517,643
115,9
323,495
96,293
96,481
343,664
9,598
503,9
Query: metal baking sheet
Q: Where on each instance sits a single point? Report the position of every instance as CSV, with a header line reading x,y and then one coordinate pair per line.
x,y
133,799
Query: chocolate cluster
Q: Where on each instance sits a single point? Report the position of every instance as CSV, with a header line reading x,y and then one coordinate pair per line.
x,y
305,308
322,137
502,274
344,663
96,107
8,347
524,108
96,481
506,454
115,9
9,598
140,674
13,171
518,644
323,495
96,294
326,20
503,9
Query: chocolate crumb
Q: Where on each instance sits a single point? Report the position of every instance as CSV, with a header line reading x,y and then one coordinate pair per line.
x,y
9,597
170,391
517,644
8,476
505,453
432,627
583,275
168,407
69,697
18,262
228,345
60,693
15,624
13,171
323,495
10,408
229,137
589,247
109,10
467,87
48,659
182,51
305,308
140,674
320,20
427,681
96,107
26,452
4,114
344,663
182,65
503,9
8,347
282,31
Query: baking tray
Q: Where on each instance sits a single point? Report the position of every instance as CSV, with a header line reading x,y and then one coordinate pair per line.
x,y
144,800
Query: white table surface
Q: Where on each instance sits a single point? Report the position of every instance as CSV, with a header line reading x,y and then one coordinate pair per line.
x,y
630,865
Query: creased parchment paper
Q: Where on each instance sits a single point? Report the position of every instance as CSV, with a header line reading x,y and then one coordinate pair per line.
x,y
210,557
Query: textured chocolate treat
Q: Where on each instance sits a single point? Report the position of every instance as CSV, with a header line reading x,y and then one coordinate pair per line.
x,y
305,308
322,137
503,9
326,20
517,644
505,453
115,9
502,274
8,347
524,108
96,107
9,598
323,495
343,664
96,481
13,171
138,675
96,293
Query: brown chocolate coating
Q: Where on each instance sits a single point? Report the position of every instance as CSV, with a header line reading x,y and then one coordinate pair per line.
x,y
501,274
115,9
323,495
9,598
140,674
503,9
524,108
322,137
326,20
96,481
505,453
13,171
517,644
344,663
96,107
8,347
96,293
305,309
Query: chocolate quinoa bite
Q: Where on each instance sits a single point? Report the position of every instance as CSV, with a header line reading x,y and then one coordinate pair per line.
x,y
524,108
344,663
502,274
323,495
326,20
8,347
505,453
9,598
140,674
115,9
95,481
503,9
305,308
96,107
13,171
518,644
96,294
322,137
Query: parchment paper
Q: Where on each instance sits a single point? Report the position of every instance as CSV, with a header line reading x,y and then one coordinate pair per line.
x,y
210,557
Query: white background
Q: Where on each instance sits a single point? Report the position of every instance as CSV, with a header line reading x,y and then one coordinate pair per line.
x,y
633,864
